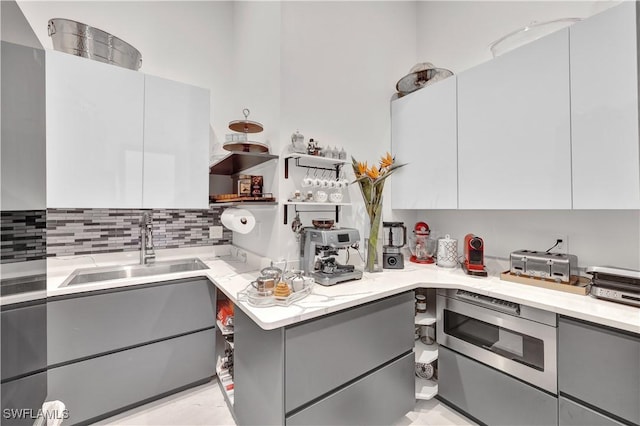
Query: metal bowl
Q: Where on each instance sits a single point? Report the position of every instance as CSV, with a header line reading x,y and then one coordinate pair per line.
x,y
83,40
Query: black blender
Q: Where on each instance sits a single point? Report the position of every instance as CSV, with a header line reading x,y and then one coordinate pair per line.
x,y
395,239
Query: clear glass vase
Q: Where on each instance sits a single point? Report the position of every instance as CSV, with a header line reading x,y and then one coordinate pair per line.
x,y
373,244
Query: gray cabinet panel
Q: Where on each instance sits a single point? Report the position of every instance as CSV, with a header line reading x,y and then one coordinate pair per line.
x,y
101,385
258,359
600,367
325,353
94,324
380,398
24,340
573,414
26,393
491,396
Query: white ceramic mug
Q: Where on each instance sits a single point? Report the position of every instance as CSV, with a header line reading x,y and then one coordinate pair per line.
x,y
335,197
307,181
447,256
321,196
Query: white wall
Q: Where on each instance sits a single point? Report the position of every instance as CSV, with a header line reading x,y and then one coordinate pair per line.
x,y
340,64
329,70
256,86
456,35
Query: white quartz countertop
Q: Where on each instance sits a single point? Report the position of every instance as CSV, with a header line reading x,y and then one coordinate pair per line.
x,y
231,274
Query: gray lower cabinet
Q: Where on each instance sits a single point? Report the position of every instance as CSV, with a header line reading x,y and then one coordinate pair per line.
x,y
95,387
337,369
23,361
114,349
393,386
18,395
601,367
97,322
573,414
24,339
491,396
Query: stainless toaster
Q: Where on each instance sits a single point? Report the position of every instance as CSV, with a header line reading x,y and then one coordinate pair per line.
x,y
540,264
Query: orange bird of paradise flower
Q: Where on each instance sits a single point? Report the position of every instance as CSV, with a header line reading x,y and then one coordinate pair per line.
x,y
373,173
362,168
386,161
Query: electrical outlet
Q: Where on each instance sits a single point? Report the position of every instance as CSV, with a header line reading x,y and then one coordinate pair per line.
x,y
563,246
215,232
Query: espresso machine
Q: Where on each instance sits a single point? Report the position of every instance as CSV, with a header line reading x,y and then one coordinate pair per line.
x,y
318,251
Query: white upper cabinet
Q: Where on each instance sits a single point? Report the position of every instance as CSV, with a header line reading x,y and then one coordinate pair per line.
x,y
117,138
513,129
94,133
423,135
604,110
176,145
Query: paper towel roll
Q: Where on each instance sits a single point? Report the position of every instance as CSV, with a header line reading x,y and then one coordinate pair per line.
x,y
238,220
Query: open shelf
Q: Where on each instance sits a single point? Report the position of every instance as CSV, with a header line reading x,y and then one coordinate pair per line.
x,y
235,162
426,318
223,329
246,203
228,394
426,389
314,162
426,353
312,203
317,158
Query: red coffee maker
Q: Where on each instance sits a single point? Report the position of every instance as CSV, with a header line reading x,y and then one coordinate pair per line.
x,y
474,256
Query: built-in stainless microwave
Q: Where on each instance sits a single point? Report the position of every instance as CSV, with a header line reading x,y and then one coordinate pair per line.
x,y
518,340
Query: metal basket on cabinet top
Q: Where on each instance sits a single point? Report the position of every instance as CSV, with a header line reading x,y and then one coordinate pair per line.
x,y
83,40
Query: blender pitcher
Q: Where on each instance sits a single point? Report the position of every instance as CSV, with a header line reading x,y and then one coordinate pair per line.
x,y
395,237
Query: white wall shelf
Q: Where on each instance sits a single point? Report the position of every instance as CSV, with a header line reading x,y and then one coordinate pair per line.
x,y
313,162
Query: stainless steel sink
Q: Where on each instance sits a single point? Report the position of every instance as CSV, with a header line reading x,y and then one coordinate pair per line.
x,y
92,275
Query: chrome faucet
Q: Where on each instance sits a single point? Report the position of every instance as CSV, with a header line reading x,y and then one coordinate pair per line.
x,y
147,254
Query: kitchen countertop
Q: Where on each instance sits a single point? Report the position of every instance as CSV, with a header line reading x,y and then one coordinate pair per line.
x,y
232,269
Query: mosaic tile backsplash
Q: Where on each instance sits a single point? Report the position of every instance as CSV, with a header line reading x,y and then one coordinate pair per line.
x,y
91,231
23,235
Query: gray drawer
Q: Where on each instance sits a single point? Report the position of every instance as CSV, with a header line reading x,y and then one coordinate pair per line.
x,y
601,367
491,396
93,324
381,398
573,414
344,346
101,385
24,340
28,392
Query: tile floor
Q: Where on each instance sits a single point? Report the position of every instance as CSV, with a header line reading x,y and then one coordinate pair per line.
x,y
204,405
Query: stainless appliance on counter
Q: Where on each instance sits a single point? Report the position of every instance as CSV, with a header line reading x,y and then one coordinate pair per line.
x,y
318,251
615,284
540,264
518,340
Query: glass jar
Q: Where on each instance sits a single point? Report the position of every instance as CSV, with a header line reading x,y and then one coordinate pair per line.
x,y
421,303
427,335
